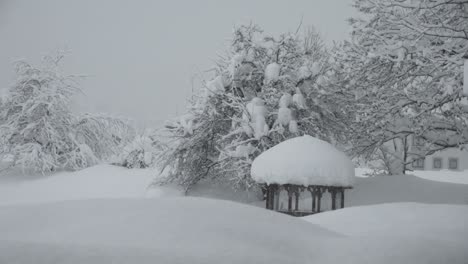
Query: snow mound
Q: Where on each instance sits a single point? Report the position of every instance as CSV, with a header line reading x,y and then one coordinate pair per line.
x,y
304,161
175,230
196,230
445,222
399,232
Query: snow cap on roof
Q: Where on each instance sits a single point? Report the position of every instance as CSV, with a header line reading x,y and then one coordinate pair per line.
x,y
303,161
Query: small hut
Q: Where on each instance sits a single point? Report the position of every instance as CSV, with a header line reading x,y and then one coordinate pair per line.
x,y
303,166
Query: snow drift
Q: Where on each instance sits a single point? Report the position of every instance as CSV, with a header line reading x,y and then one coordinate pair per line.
x,y
197,230
173,230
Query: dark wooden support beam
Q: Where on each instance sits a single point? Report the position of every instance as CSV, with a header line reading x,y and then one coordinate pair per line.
x,y
276,199
342,198
312,193
273,196
267,197
333,196
290,194
319,200
297,200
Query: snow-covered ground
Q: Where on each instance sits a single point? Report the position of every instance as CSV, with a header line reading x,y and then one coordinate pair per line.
x,y
444,176
449,176
400,232
107,214
199,230
172,230
103,181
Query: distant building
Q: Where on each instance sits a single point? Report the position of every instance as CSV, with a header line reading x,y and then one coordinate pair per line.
x,y
448,159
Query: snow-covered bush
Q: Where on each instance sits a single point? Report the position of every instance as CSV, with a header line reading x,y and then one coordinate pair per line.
x,y
105,135
263,92
140,153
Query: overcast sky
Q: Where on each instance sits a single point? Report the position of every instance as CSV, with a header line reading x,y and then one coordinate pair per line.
x,y
140,56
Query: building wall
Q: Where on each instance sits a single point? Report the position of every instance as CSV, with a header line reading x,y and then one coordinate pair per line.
x,y
445,155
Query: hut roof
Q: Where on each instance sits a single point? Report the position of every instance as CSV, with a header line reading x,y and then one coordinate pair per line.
x,y
303,161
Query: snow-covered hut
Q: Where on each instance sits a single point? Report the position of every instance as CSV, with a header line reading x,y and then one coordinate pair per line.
x,y
303,165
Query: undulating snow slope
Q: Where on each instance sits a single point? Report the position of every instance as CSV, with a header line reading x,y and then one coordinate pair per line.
x,y
403,232
103,181
426,221
198,230
170,230
444,176
57,219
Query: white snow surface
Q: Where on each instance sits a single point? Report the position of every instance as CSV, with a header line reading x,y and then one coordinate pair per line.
x,y
285,100
400,232
299,100
304,161
197,230
293,128
451,176
40,224
216,85
103,181
284,116
272,72
173,230
445,222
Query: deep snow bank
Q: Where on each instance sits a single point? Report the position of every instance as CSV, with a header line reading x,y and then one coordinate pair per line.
x,y
172,230
432,221
198,230
401,232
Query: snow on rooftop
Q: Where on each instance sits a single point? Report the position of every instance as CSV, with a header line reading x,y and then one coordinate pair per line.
x,y
304,161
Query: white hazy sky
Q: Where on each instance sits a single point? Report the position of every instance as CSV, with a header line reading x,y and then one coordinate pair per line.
x,y
141,56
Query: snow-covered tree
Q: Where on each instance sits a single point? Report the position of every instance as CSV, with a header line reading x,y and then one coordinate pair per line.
x,y
104,134
38,130
265,90
37,121
403,75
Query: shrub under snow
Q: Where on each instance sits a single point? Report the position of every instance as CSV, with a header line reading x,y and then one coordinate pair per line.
x,y
140,153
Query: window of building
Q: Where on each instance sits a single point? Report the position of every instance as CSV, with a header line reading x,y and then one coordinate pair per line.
x,y
453,163
418,164
437,163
